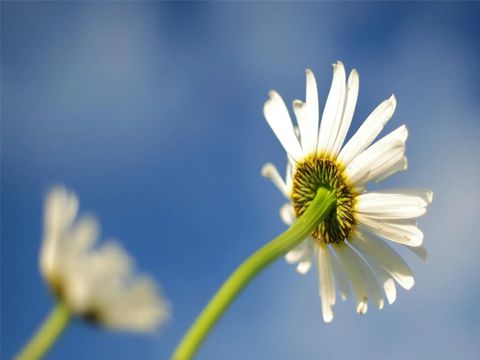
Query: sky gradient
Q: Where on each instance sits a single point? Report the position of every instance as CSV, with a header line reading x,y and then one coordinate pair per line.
x,y
152,113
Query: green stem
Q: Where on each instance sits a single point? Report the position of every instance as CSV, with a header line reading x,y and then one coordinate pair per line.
x,y
47,334
319,208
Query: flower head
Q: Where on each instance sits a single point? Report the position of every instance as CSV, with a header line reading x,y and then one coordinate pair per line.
x,y
349,245
97,284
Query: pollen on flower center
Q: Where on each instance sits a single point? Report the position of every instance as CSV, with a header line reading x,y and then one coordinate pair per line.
x,y
313,173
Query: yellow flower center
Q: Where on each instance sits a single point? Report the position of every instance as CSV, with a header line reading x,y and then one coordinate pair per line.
x,y
313,173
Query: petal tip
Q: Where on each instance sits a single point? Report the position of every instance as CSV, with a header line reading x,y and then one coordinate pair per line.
x,y
303,267
353,79
338,68
429,195
298,104
266,169
408,283
362,307
328,318
391,299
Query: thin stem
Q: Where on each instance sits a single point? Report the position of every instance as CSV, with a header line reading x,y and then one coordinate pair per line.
x,y
319,208
47,334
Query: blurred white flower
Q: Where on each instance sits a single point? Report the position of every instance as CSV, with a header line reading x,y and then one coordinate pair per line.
x,y
348,246
95,283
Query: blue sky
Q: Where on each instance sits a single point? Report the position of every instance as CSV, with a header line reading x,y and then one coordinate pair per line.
x,y
152,113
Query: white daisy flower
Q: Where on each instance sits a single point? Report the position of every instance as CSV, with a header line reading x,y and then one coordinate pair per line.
x,y
349,246
96,284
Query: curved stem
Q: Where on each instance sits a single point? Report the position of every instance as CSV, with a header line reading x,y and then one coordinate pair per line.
x,y
47,334
319,208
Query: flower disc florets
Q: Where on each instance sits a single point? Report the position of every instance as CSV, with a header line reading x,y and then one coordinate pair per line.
x,y
313,173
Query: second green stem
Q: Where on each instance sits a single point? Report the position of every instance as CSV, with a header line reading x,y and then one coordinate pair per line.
x,y
47,334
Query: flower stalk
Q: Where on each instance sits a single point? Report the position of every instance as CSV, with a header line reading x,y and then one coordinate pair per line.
x,y
323,202
47,334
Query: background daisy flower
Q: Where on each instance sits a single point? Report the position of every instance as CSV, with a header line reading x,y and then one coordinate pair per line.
x,y
351,245
97,284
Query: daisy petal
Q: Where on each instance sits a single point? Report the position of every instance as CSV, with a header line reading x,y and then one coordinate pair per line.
x,y
401,231
333,112
289,177
385,256
301,113
379,158
112,261
393,205
326,282
313,113
297,253
302,254
368,131
286,214
304,266
341,279
361,278
420,251
83,235
61,207
425,194
395,165
137,307
384,280
270,172
383,277
277,116
387,283
350,103
307,115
